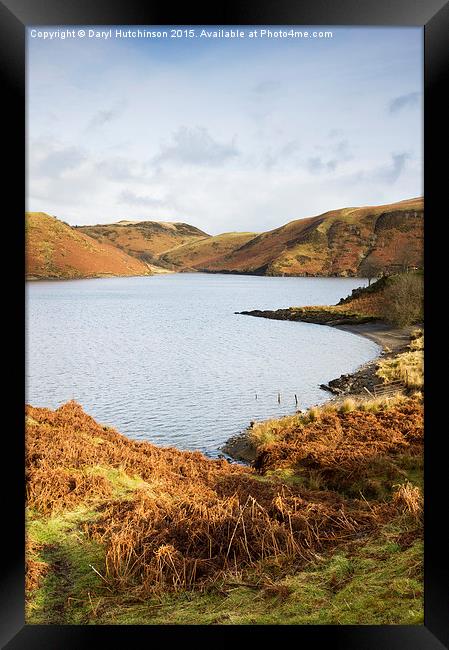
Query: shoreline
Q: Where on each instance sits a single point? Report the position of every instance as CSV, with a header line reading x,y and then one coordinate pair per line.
x,y
153,271
103,276
392,341
389,338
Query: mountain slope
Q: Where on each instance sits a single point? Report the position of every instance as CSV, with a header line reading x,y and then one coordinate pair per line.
x,y
206,253
340,242
146,240
346,242
55,250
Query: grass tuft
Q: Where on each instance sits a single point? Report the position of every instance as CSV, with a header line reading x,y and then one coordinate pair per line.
x,y
407,367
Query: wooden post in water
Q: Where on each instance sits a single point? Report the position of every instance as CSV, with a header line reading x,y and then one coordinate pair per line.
x,y
296,399
279,398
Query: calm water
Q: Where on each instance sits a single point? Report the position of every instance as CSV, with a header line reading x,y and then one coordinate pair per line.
x,y
164,358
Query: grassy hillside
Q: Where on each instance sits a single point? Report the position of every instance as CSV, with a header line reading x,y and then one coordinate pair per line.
x,y
395,299
207,253
346,242
55,250
146,240
326,529
342,242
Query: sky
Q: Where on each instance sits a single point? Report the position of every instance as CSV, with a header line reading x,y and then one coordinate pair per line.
x,y
225,134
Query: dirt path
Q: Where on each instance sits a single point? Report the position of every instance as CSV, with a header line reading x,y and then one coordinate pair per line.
x,y
55,602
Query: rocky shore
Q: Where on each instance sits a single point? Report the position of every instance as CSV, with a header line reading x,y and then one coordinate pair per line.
x,y
360,383
239,447
319,316
392,340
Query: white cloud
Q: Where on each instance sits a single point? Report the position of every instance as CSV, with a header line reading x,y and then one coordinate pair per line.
x,y
404,101
55,163
390,173
132,199
229,138
102,117
195,146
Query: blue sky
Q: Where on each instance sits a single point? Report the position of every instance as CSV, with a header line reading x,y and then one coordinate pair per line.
x,y
224,134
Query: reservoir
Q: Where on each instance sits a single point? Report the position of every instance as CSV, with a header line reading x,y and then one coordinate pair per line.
x,y
164,358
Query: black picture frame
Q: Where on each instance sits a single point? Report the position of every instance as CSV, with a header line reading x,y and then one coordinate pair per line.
x,y
433,16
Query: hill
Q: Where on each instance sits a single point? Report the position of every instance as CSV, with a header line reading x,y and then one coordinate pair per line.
x,y
55,250
397,300
207,253
344,242
146,240
363,241
326,528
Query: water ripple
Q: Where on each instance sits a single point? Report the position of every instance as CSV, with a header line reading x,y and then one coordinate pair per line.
x,y
166,359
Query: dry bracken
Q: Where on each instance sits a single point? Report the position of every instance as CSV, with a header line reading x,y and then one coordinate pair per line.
x,y
190,519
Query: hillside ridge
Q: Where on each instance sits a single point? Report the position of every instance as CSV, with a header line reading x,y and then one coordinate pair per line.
x,y
354,241
55,250
337,243
146,240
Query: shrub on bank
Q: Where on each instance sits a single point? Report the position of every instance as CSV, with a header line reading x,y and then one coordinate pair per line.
x,y
403,299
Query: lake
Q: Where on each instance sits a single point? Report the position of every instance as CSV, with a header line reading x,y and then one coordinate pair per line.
x,y
164,358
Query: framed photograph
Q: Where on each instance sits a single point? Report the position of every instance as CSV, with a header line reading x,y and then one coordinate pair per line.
x,y
224,244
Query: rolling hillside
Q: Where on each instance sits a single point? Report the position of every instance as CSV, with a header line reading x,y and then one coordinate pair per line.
x,y
347,242
207,253
54,250
146,240
341,243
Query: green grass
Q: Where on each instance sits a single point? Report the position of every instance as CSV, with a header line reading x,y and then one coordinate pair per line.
x,y
122,484
72,589
377,583
65,593
374,581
